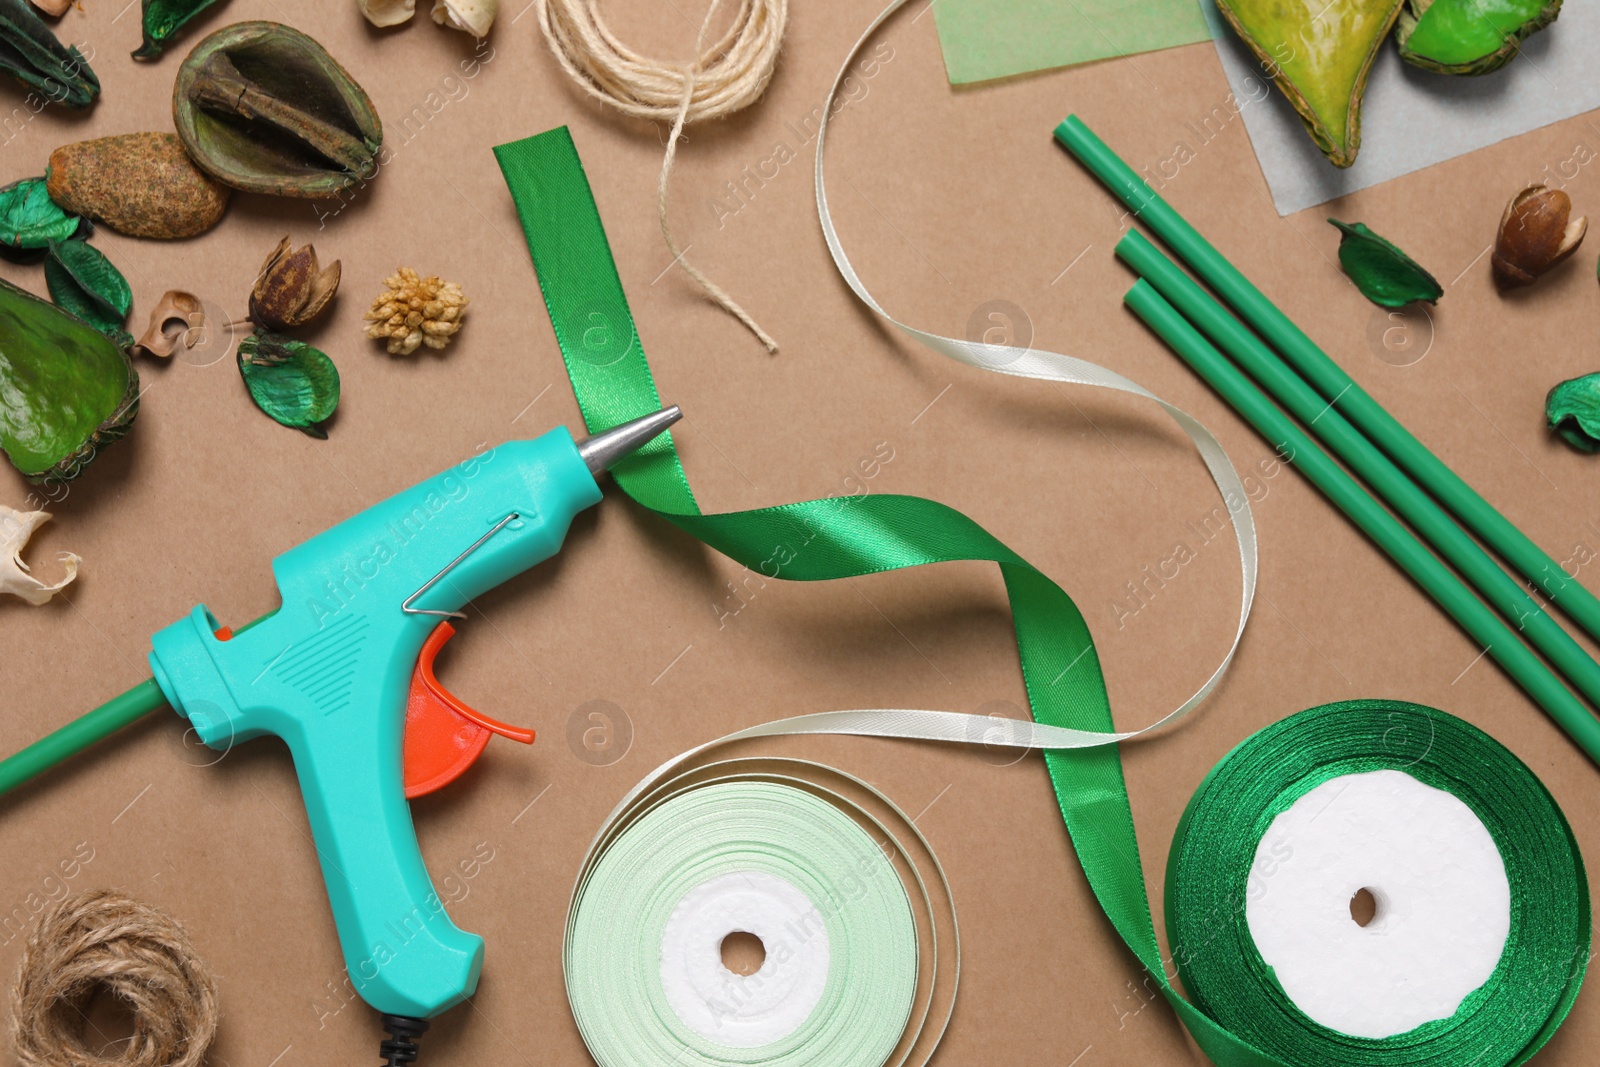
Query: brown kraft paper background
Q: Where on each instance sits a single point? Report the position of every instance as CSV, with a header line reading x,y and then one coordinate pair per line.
x,y
955,206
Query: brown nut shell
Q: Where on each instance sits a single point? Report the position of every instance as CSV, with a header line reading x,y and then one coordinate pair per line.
x,y
1537,231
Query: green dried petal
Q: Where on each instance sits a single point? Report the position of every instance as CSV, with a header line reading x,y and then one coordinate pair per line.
x,y
289,380
30,219
162,19
1469,36
82,280
67,389
31,53
1573,411
1384,274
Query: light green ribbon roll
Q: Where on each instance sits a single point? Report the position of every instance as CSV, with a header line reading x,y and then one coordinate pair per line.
x,y
851,907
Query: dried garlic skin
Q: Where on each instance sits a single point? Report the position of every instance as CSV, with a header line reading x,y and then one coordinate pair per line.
x,y
292,288
15,529
1536,232
69,389
472,16
175,309
1319,56
383,13
1384,274
1469,36
264,108
140,184
416,311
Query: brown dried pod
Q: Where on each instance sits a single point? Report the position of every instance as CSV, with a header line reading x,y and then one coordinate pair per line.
x,y
1536,232
292,288
176,319
140,184
264,108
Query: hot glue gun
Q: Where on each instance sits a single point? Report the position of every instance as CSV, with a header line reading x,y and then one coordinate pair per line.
x,y
343,672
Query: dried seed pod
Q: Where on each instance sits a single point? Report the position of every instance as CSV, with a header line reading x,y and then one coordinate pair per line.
x,y
15,529
31,53
292,288
1536,232
176,319
140,184
68,389
264,108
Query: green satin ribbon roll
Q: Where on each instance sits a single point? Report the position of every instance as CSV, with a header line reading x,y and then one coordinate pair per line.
x,y
827,539
1214,852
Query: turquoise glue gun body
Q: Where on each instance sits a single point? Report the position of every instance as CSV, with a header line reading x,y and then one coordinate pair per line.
x,y
330,671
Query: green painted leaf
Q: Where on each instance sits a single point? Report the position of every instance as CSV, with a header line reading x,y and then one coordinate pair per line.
x,y
30,219
164,18
289,380
1573,411
1469,36
1384,274
67,389
83,281
31,53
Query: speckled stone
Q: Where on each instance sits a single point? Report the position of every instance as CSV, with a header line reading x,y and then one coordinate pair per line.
x,y
140,184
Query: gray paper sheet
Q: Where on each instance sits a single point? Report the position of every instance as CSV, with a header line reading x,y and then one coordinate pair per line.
x,y
1413,118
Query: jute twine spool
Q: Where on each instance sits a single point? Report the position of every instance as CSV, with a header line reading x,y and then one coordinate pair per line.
x,y
724,77
107,941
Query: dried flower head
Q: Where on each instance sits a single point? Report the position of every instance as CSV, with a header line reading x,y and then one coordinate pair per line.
x,y
292,288
416,311
1537,231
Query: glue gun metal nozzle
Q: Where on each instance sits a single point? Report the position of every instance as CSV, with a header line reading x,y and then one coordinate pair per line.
x,y
604,450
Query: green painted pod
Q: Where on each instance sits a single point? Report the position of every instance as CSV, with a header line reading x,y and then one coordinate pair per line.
x,y
31,53
66,390
1319,55
164,18
1469,36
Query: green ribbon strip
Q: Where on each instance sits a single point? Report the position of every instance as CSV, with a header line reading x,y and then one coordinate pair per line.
x,y
826,539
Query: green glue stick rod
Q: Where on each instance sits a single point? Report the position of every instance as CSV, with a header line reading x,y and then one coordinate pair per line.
x,y
1329,378
1360,455
1384,529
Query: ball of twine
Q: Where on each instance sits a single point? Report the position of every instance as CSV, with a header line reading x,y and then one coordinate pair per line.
x,y
107,941
724,77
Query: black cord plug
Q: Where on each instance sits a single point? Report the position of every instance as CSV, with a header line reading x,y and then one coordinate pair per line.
x,y
399,1049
